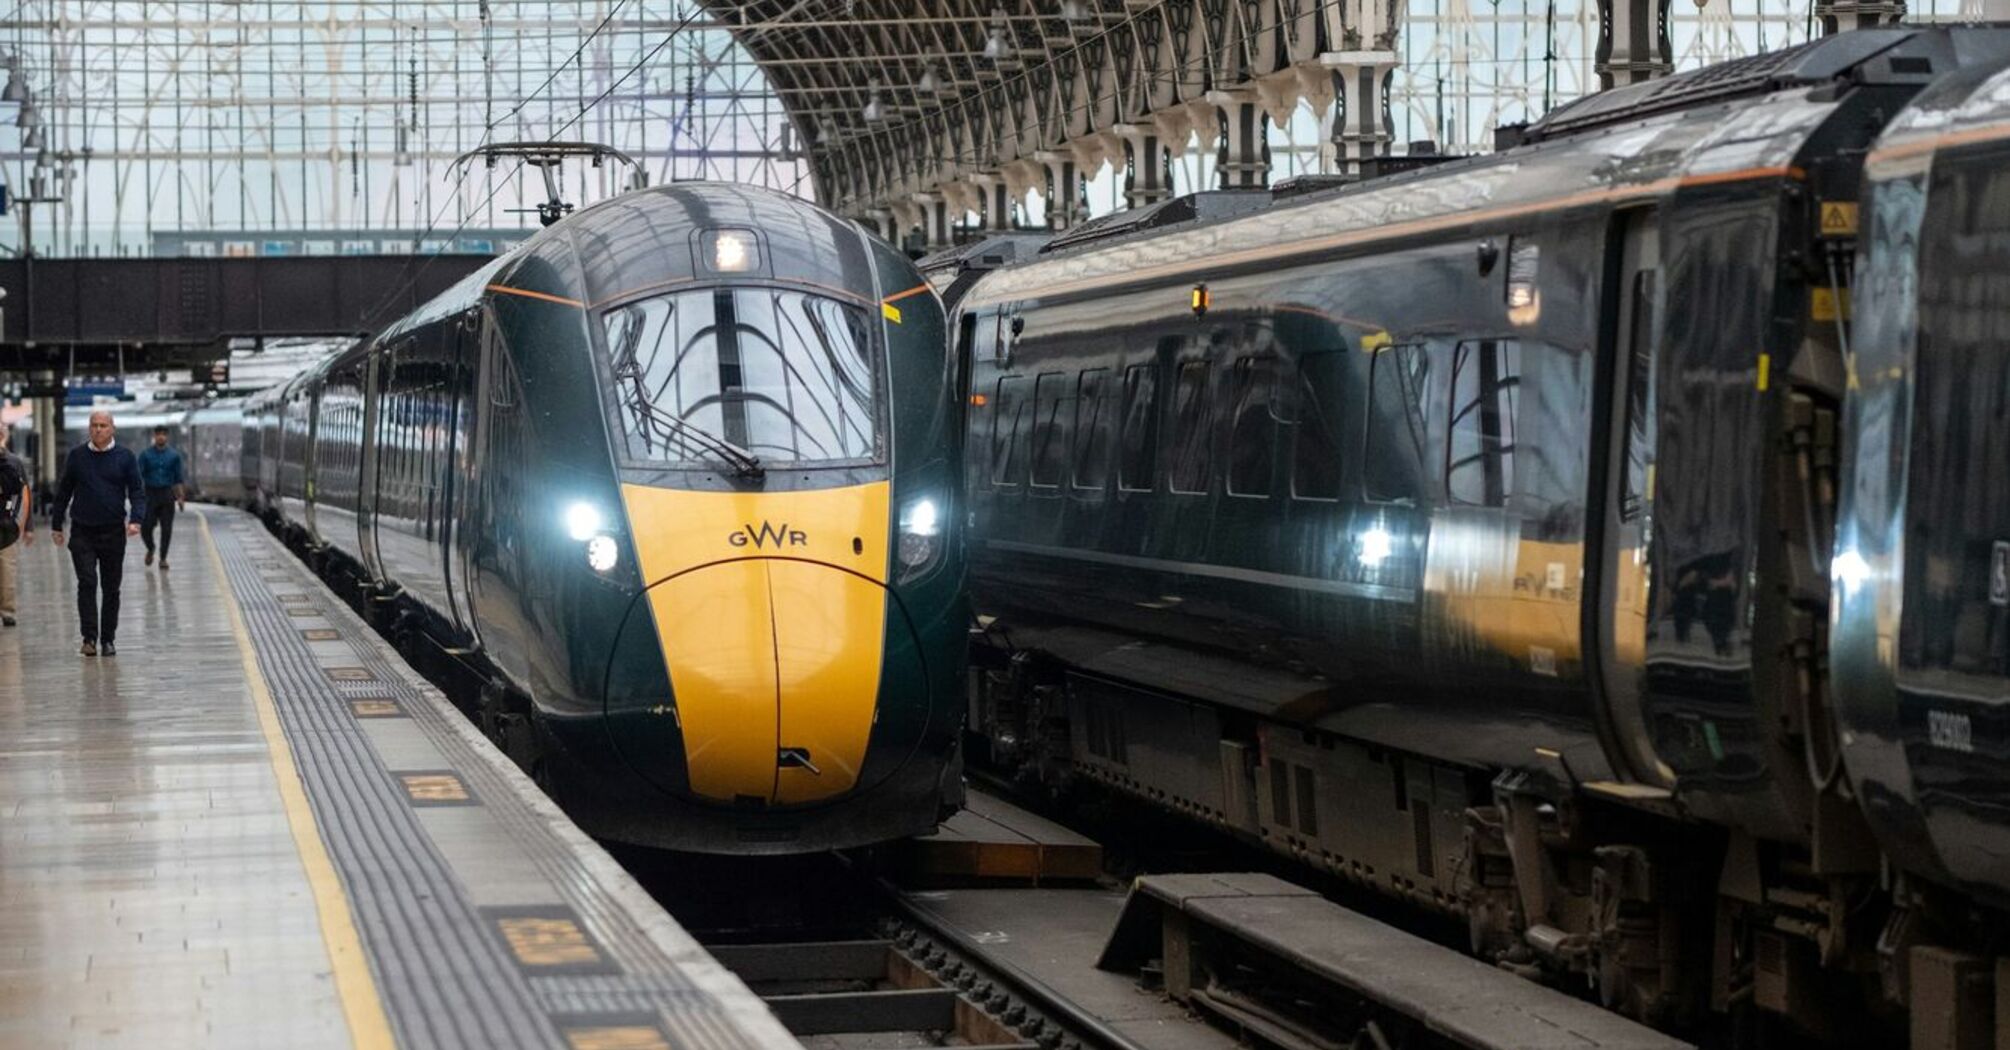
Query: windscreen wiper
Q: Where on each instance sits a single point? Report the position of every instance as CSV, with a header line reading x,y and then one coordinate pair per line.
x,y
629,370
744,463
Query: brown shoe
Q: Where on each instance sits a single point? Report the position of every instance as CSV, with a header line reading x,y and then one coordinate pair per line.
x,y
164,565
150,557
89,648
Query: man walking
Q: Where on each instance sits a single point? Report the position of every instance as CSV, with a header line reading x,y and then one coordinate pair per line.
x,y
161,472
16,496
101,483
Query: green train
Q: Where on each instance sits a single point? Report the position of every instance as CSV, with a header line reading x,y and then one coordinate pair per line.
x,y
677,485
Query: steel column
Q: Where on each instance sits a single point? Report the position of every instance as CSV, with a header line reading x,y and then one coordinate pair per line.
x,y
1065,205
1147,181
1245,149
1360,87
1838,16
1633,42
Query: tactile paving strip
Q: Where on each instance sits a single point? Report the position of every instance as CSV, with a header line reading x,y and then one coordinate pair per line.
x,y
445,969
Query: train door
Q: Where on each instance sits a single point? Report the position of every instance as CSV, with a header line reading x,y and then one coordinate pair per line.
x,y
310,426
461,369
366,477
1623,552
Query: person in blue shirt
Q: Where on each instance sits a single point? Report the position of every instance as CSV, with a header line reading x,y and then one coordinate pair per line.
x,y
101,483
162,474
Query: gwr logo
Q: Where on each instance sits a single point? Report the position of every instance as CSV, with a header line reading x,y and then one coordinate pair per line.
x,y
765,536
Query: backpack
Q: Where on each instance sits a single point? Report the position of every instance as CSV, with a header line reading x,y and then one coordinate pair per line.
x,y
11,484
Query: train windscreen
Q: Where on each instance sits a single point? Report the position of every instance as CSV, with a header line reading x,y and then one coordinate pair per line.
x,y
753,377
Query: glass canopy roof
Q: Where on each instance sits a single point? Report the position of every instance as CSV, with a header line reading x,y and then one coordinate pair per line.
x,y
256,126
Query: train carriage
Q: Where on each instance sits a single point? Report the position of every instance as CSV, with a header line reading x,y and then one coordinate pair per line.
x,y
1466,532
1922,571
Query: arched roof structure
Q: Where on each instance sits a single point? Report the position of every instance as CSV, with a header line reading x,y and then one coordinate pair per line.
x,y
913,112
899,98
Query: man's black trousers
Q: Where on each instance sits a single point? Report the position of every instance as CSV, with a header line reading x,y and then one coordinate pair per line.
x,y
160,512
99,553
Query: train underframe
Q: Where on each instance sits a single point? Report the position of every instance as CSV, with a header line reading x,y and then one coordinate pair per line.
x,y
1673,921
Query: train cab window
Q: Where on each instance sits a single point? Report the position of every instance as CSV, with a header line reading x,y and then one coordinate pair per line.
x,y
1009,408
1191,438
1094,429
1137,471
783,376
1392,456
1479,450
1053,415
1252,432
1315,438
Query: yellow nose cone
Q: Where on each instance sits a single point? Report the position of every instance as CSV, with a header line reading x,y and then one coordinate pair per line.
x,y
771,613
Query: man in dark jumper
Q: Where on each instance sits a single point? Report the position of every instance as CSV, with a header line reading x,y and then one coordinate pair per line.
x,y
100,488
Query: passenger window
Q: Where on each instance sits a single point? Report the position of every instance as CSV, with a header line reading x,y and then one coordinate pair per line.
x,y
1053,413
1190,443
1008,434
1139,469
1252,436
1093,430
1392,457
1479,452
1315,446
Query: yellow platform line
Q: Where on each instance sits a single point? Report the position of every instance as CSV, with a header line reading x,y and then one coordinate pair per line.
x,y
361,1005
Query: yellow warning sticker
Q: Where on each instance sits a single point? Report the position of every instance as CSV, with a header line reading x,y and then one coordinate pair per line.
x,y
1765,370
617,1037
538,941
1828,304
434,787
1374,341
890,312
1838,218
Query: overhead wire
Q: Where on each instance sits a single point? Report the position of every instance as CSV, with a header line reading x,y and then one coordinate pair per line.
x,y
453,193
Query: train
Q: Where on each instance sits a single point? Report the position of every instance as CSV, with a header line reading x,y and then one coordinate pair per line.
x,y
1529,536
674,488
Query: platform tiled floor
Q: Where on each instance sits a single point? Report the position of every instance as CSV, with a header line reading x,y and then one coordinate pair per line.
x,y
159,889
150,890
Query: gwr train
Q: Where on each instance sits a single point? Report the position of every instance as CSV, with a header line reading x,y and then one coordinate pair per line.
x,y
1468,532
678,482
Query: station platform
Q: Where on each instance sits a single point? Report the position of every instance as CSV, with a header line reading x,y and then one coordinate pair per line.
x,y
257,827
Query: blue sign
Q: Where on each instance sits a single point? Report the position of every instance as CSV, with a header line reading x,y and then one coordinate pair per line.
x,y
86,392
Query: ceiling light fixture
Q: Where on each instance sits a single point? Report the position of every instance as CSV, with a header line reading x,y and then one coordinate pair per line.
x,y
996,48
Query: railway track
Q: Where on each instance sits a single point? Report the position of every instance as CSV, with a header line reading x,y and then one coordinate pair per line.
x,y
850,958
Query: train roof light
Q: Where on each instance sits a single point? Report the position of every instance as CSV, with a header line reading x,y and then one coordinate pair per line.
x,y
732,251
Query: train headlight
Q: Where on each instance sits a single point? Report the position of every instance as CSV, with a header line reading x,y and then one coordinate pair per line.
x,y
1376,546
920,537
602,552
1850,570
582,521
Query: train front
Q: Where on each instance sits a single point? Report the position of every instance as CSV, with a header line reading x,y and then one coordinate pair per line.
x,y
786,673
